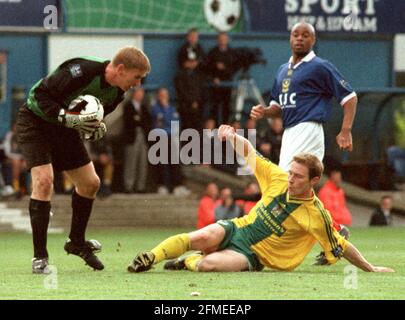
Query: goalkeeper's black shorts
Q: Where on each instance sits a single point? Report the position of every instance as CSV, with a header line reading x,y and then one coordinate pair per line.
x,y
41,143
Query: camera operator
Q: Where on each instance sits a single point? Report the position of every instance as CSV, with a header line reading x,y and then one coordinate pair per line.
x,y
220,68
189,82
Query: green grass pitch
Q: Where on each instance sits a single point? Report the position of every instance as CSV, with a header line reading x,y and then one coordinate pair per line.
x,y
381,246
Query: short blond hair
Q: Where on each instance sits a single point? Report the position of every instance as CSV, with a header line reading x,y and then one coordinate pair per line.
x,y
314,165
132,58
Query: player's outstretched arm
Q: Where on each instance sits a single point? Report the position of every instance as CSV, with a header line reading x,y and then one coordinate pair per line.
x,y
241,145
355,258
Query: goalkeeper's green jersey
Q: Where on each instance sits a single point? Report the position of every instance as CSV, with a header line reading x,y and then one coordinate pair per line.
x,y
282,230
75,77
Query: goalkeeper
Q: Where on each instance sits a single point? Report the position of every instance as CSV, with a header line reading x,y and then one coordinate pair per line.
x,y
278,233
49,134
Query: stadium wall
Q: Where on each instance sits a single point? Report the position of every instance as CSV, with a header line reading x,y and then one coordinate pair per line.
x,y
26,63
364,62
399,49
62,47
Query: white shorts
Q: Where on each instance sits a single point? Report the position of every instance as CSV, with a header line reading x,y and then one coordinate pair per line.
x,y
304,137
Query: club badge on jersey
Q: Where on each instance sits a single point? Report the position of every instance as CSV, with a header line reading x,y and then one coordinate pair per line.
x,y
287,81
76,70
287,100
286,85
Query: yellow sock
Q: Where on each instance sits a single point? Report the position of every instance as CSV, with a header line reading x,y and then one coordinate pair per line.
x,y
192,261
172,247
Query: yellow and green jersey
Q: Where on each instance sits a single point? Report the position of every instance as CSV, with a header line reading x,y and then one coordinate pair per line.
x,y
282,230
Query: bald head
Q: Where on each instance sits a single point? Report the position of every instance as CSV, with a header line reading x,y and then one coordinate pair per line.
x,y
309,27
302,39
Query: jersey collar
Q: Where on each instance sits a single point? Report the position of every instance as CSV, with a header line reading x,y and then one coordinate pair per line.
x,y
307,58
300,200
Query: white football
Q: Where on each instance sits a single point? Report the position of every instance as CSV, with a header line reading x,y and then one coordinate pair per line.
x,y
223,15
87,104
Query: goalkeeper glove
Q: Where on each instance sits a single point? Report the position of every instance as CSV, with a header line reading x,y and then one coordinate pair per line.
x,y
97,134
83,122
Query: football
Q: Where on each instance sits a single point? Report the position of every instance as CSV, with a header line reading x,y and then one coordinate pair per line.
x,y
87,104
223,15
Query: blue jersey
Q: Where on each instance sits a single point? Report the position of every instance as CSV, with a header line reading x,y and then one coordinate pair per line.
x,y
304,91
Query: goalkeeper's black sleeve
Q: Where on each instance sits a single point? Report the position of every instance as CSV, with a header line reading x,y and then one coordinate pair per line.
x,y
59,88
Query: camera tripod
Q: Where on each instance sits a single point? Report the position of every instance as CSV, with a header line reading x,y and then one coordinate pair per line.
x,y
246,89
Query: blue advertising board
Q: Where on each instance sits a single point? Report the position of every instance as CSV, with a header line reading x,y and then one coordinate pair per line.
x,y
30,15
333,16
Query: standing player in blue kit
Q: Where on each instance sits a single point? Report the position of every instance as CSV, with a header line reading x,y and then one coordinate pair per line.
x,y
302,94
